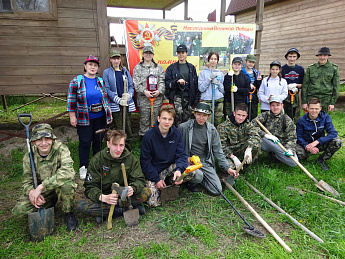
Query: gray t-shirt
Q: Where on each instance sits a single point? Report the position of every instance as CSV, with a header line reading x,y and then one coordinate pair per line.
x,y
199,140
184,72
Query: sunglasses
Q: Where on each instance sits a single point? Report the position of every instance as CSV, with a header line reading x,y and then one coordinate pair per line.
x,y
93,57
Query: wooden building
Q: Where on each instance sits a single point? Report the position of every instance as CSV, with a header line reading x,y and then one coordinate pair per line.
x,y
304,24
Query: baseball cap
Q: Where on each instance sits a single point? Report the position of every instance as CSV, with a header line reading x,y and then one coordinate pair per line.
x,y
92,58
114,53
237,59
181,47
148,49
251,57
276,99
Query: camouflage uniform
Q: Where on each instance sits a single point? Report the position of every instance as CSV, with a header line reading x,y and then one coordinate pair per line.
x,y
140,74
236,138
182,113
55,172
329,148
322,82
284,129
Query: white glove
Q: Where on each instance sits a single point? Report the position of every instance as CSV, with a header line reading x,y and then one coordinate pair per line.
x,y
124,99
248,153
231,72
288,152
273,138
237,162
234,89
293,87
213,75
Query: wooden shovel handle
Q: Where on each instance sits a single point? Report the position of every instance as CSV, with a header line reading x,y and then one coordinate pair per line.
x,y
123,168
110,216
241,165
284,149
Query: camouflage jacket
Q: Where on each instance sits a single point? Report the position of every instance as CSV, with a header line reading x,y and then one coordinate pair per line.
x,y
275,124
104,169
233,136
321,81
140,74
52,171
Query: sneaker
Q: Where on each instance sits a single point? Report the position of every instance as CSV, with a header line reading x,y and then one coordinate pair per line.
x,y
141,209
82,172
71,221
321,162
192,187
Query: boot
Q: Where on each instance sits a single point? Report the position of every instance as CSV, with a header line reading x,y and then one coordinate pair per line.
x,y
321,162
192,187
141,209
71,221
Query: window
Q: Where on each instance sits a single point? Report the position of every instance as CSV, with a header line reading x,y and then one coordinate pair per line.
x,y
27,9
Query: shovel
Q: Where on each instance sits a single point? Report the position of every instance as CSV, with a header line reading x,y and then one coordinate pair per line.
x,y
231,179
124,107
41,223
292,96
322,185
151,83
131,216
250,104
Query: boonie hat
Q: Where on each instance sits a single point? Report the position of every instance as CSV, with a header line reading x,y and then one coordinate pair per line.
x,y
203,107
43,130
92,58
251,57
237,59
276,99
181,47
324,51
114,53
148,49
292,50
275,63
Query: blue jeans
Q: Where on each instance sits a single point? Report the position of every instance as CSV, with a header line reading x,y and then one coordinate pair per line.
x,y
87,136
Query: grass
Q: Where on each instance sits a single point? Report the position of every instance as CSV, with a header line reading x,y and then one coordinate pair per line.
x,y
196,225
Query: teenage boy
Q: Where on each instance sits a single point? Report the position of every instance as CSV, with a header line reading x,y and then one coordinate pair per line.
x,y
104,170
293,75
321,81
242,85
163,155
282,129
182,82
202,139
311,137
255,79
239,137
55,176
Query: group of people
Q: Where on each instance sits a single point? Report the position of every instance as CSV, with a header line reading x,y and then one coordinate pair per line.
x,y
173,137
193,45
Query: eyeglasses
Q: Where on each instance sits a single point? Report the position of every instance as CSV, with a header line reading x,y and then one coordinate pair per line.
x,y
93,57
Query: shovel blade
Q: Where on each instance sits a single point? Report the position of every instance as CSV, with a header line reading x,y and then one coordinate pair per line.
x,y
169,193
327,188
131,217
41,223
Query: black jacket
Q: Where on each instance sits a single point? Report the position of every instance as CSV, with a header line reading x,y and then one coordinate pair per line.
x,y
243,88
173,74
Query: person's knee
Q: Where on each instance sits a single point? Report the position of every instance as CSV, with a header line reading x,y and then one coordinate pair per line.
x,y
198,177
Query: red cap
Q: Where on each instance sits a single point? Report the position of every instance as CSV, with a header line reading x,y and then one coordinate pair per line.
x,y
92,58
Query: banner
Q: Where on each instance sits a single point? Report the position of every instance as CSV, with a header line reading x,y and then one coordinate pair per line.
x,y
229,40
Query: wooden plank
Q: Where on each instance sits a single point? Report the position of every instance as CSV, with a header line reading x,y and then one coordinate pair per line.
x,y
34,89
103,34
41,70
71,13
85,41
44,60
78,23
31,52
77,4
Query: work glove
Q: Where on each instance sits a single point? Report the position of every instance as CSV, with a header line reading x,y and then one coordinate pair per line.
x,y
216,82
237,162
288,153
293,87
273,138
124,99
231,72
248,153
213,75
234,88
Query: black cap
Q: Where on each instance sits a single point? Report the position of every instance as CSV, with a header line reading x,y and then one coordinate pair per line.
x,y
292,50
237,59
276,63
181,48
324,51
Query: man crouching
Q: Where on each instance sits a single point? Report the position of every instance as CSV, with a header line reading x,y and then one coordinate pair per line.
x,y
104,170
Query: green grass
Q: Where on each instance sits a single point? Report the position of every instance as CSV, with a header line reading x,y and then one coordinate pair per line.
x,y
196,225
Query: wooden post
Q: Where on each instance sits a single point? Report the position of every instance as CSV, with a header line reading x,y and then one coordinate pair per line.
x,y
259,28
163,14
186,9
103,35
3,98
222,10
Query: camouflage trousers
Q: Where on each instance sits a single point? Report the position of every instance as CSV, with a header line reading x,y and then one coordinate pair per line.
x,y
117,123
182,115
145,117
296,111
167,175
239,151
90,207
328,149
65,193
218,111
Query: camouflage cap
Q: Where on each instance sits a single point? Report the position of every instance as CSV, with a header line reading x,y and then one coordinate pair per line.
x,y
251,57
276,99
43,130
203,108
114,53
148,49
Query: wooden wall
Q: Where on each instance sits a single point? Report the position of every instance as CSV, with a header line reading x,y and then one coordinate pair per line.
x,y
43,56
304,24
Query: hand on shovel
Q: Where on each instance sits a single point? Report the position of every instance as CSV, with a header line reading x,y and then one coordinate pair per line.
x,y
177,174
36,197
233,173
130,191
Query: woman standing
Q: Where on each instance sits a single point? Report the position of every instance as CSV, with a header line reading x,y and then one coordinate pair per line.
x,y
212,77
145,73
89,111
119,97
274,84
